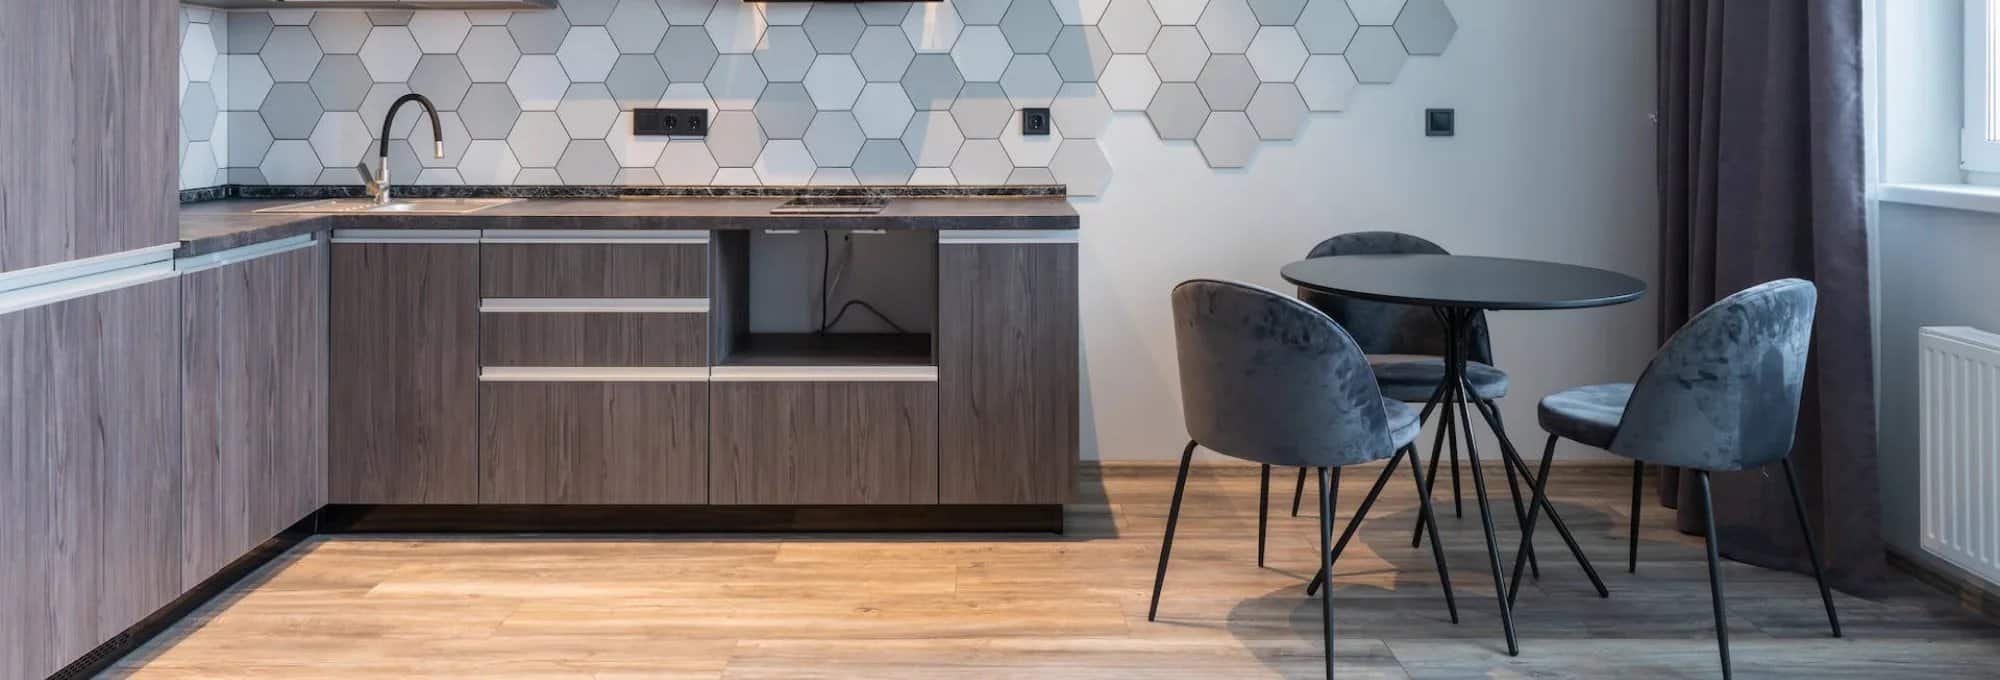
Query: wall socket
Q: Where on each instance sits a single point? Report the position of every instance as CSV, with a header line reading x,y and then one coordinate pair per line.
x,y
1036,121
673,122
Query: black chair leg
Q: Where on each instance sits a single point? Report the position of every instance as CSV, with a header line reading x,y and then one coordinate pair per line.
x,y
1491,412
1541,491
1328,488
1430,522
1263,511
1799,508
1355,523
1638,487
1714,570
1173,518
1451,441
1298,492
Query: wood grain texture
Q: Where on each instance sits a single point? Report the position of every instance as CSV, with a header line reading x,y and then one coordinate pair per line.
x,y
404,367
87,128
1008,404
822,443
592,339
593,270
729,293
253,369
579,442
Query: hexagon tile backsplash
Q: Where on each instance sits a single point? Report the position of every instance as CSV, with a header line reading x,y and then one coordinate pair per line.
x,y
820,93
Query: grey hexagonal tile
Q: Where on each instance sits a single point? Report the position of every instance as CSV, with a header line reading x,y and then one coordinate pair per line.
x,y
1177,111
587,54
834,177
588,12
735,139
1029,150
456,138
834,138
341,82
538,32
538,139
391,17
1178,54
981,12
291,17
636,81
932,27
1228,26
883,110
390,54
1080,53
1228,140
247,32
735,82
1031,26
489,110
291,110
883,54
736,27
884,13
1178,12
376,105
340,32
290,54
488,162
686,161
736,177
1277,111
883,161
686,12
403,163
1376,12
198,54
441,77
834,27
932,81
982,110
1128,26
1277,54
1326,26
787,55
637,26
489,54
587,111
1426,26
440,177
489,17
1129,82
982,161
933,139
248,82
340,138
982,53
785,161
637,177
834,81
784,13
587,162
291,162
785,110
249,175
538,82
440,32
198,111
249,138
686,53
1080,111
1227,82
687,96
347,176
1277,12
1325,82
633,151
538,177
1031,81
1376,54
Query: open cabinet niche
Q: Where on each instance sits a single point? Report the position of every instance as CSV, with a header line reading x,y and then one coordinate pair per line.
x,y
776,292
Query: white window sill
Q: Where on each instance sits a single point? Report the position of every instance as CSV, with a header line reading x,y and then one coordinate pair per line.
x,y
1968,197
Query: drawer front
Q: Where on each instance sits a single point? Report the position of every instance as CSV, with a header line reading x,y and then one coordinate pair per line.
x,y
823,443
593,442
593,270
593,339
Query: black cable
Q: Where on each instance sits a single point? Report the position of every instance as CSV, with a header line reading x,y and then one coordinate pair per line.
x,y
825,292
871,309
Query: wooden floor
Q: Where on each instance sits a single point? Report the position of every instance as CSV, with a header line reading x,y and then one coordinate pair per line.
x,y
1047,607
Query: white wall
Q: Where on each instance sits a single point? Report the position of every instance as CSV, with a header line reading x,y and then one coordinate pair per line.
x,y
1554,159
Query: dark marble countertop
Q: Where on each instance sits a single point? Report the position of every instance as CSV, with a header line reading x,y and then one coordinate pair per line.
x,y
211,226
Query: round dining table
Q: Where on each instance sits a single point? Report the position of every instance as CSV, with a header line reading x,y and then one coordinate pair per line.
x,y
1458,288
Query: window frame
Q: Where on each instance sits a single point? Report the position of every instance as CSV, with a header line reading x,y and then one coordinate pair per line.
x,y
1979,150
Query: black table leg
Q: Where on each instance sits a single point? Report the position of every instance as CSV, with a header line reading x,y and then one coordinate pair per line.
x,y
1458,325
1514,462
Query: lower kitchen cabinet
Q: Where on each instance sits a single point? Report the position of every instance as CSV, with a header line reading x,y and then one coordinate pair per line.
x,y
593,442
823,443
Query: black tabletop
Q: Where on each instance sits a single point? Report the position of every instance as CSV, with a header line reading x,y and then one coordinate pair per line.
x,y
1464,281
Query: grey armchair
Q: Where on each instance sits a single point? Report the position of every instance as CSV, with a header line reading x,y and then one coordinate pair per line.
x,y
1722,394
1268,379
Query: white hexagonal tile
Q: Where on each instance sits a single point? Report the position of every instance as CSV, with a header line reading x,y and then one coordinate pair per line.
x,y
1081,165
785,110
341,138
338,177
1227,82
982,161
538,139
982,53
834,177
1277,12
456,139
1228,140
1426,26
736,177
440,177
834,27
588,53
633,151
1179,12
883,161
686,12
340,32
1177,111
1277,54
834,81
249,138
686,54
1081,12
1080,53
1128,26
735,27
1031,26
440,32
1032,176
785,54
489,17
785,161
1325,82
538,177
735,139
1128,82
784,13
1029,150
980,12
587,111
198,112
1178,54
587,162
539,82
197,166
637,177
982,110
290,55
390,53
834,138
1277,111
291,162
1228,26
489,54
1376,12
686,161
198,54
1080,111
687,96
883,110
883,54
1376,54
932,27
248,82
1326,26
637,25
376,105
932,81
735,82
1031,80
933,139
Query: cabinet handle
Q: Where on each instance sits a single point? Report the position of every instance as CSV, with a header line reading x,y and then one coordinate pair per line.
x,y
780,232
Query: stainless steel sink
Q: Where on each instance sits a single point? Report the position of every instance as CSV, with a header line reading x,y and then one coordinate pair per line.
x,y
408,206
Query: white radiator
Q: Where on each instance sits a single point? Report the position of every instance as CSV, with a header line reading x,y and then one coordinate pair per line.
x,y
1959,425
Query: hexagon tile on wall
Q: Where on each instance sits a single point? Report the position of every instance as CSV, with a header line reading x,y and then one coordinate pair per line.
x,y
836,92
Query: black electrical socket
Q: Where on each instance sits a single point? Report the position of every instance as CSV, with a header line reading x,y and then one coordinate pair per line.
x,y
674,122
1440,122
1036,122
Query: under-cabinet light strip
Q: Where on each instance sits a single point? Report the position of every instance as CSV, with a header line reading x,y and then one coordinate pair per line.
x,y
586,305
641,236
823,374
593,374
1008,236
466,236
221,258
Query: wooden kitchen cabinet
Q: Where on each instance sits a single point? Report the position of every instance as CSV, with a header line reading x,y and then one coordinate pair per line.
x,y
404,373
594,442
823,443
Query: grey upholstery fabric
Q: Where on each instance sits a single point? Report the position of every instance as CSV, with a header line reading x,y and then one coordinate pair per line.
x,y
1383,328
1723,394
1267,378
1587,415
1413,379
1403,423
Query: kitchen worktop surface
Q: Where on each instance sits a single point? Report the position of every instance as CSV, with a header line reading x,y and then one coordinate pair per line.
x,y
211,226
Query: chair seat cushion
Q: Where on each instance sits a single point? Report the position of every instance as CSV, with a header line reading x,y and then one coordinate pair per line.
x,y
1413,378
1587,415
1403,423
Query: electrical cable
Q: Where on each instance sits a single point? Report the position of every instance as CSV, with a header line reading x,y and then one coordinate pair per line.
x,y
826,292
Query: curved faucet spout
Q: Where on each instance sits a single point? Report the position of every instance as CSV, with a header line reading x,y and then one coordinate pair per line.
x,y
437,137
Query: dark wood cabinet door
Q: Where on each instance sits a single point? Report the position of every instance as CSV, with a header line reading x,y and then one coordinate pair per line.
x,y
253,369
594,442
823,443
1007,373
594,270
404,374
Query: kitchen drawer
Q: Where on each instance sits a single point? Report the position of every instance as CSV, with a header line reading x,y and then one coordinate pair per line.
x,y
593,333
822,443
593,442
593,270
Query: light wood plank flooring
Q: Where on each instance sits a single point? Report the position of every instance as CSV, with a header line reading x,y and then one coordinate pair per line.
x,y
1048,607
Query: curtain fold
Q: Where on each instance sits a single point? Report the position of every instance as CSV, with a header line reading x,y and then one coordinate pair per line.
x,y
1761,177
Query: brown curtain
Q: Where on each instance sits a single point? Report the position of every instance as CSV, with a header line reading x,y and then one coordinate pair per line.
x,y
1760,152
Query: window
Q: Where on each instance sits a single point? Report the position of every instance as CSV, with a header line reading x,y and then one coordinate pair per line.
x,y
1979,151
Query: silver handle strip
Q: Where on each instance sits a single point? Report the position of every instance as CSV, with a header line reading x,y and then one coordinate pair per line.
x,y
823,374
586,305
466,236
780,232
593,374
74,269
83,286
637,236
1009,236
223,258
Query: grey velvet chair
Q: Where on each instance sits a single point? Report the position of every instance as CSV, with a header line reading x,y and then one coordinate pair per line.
x,y
1721,395
1268,379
